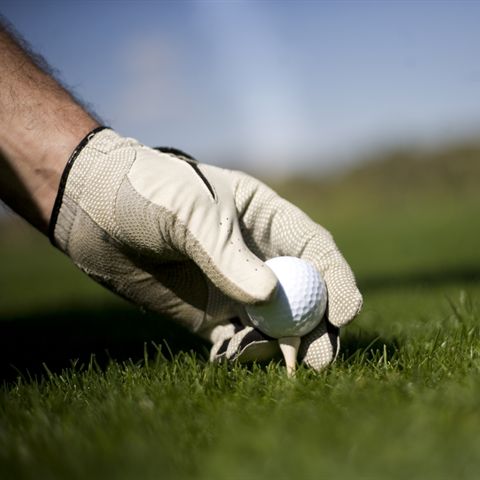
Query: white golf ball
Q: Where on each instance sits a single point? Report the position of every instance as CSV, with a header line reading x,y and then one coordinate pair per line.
x,y
299,303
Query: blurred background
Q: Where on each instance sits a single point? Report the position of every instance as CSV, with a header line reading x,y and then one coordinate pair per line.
x,y
273,86
366,114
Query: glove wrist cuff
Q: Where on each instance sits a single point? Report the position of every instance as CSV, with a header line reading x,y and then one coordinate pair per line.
x,y
63,181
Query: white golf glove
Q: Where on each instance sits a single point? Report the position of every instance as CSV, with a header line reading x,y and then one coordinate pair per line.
x,y
188,240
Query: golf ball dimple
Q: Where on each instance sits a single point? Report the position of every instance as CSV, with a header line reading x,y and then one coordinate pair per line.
x,y
299,303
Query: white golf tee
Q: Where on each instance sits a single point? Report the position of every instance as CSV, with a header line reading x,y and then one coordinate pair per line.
x,y
289,347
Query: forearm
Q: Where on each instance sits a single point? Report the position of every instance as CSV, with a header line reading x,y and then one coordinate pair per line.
x,y
40,125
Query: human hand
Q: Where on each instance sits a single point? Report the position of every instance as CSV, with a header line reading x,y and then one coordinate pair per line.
x,y
273,227
185,239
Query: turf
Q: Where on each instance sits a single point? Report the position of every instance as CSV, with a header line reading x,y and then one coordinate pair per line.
x,y
93,388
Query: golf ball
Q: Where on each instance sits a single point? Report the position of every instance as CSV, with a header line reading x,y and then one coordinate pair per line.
x,y
299,302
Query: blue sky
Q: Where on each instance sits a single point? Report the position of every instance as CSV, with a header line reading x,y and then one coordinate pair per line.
x,y
271,86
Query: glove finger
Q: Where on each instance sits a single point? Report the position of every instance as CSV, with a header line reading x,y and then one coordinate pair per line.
x,y
320,347
235,342
344,298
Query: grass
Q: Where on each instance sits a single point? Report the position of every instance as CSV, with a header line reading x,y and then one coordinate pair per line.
x,y
408,410
100,390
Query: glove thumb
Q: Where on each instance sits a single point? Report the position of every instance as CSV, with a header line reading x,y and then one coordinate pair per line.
x,y
233,268
220,250
197,217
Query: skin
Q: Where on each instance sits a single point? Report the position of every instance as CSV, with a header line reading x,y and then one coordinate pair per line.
x,y
40,125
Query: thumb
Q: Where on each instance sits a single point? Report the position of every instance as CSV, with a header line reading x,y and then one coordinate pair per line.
x,y
217,245
230,265
194,214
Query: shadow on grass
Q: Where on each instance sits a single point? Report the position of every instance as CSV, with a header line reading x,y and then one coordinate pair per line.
x,y
59,338
465,274
367,346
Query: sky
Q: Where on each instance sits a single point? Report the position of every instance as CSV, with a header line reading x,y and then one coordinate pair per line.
x,y
276,87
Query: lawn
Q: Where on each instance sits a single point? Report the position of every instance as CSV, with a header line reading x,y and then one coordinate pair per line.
x,y
94,388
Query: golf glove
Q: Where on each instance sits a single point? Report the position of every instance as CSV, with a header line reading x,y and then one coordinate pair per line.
x,y
188,240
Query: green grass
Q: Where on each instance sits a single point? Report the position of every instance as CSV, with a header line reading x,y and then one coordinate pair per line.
x,y
400,403
408,410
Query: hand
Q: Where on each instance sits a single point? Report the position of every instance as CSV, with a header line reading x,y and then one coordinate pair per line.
x,y
185,239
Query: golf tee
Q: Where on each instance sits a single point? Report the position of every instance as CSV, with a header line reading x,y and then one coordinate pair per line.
x,y
289,347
